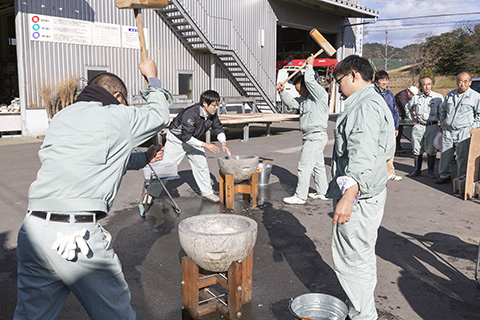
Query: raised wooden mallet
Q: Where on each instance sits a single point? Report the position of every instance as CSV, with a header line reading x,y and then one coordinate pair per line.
x,y
325,46
137,6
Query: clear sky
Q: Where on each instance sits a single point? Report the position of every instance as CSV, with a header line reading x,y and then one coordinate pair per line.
x,y
408,31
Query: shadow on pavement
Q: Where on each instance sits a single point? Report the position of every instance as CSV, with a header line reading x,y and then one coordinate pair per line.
x,y
433,287
291,244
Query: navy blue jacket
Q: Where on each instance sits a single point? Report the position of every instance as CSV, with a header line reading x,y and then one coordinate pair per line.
x,y
390,100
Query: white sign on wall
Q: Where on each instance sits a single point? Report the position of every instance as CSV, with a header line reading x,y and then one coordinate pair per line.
x,y
54,29
106,34
130,37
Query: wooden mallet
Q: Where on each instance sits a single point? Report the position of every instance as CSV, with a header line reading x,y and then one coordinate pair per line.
x,y
137,5
325,46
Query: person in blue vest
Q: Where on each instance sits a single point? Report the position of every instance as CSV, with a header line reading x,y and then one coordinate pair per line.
x,y
381,86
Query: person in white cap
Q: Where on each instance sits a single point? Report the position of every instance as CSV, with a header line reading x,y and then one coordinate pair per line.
x,y
424,110
401,99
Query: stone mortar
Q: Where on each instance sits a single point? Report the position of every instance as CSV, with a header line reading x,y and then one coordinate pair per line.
x,y
214,241
241,167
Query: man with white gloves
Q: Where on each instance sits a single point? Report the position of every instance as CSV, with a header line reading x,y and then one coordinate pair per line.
x,y
87,149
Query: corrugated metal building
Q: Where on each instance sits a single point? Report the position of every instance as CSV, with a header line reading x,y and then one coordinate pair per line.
x,y
230,46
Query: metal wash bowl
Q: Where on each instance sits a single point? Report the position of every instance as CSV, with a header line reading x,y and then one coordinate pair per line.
x,y
214,241
241,167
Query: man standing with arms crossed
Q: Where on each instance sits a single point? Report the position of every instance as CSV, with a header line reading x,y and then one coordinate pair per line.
x,y
459,116
313,106
364,142
86,151
424,110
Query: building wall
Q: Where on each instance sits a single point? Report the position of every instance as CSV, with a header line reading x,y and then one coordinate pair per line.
x,y
53,61
248,27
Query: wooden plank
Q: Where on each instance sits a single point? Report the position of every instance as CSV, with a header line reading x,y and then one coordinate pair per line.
x,y
229,191
473,163
189,289
242,188
254,191
221,186
235,294
247,275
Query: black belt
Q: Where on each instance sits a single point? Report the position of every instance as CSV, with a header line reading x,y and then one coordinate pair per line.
x,y
80,218
428,123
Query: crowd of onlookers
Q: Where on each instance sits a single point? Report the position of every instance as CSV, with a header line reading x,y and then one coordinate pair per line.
x,y
439,124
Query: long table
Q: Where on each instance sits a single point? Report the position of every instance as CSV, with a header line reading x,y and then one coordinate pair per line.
x,y
247,119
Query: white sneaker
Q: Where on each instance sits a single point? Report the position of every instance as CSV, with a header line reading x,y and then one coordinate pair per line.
x,y
317,196
394,177
212,198
293,200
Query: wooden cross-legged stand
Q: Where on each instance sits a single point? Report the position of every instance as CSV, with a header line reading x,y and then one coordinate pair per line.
x,y
228,190
195,286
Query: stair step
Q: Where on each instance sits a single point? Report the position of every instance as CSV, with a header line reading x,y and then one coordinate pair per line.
x,y
195,42
169,10
177,24
189,36
176,16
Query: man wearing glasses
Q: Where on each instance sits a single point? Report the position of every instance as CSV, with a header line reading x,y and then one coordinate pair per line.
x,y
459,116
364,142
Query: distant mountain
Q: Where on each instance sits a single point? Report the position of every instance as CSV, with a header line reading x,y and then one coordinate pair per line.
x,y
399,57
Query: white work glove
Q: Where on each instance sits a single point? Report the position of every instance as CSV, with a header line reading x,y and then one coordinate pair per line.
x,y
67,245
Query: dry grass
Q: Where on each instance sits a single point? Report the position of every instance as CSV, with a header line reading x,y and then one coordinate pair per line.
x,y
402,78
45,90
56,99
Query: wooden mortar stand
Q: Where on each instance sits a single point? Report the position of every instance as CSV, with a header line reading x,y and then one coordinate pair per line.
x,y
228,189
196,283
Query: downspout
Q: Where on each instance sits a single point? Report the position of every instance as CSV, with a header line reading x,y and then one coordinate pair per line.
x,y
19,35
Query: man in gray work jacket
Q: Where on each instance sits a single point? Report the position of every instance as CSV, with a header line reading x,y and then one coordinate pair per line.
x,y
86,151
313,106
424,110
364,142
459,115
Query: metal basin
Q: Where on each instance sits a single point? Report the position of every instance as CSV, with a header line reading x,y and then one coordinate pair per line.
x,y
241,167
214,241
318,306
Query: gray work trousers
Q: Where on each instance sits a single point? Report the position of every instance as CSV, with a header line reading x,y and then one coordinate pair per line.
x,y
312,162
454,141
422,139
45,279
175,151
353,249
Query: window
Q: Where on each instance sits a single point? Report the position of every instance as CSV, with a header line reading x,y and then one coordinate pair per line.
x,y
185,84
93,71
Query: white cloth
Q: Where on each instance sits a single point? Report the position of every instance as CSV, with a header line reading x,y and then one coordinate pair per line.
x,y
344,183
67,245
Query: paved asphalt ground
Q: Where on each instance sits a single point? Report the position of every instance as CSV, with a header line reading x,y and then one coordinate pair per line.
x,y
426,250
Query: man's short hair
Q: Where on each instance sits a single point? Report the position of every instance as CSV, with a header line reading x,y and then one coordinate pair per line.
x,y
458,75
356,63
422,78
209,96
382,74
299,78
110,82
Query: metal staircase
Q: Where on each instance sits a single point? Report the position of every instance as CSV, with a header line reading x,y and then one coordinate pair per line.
x,y
194,34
